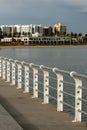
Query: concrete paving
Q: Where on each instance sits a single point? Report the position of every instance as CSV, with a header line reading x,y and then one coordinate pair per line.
x,y
31,114
7,122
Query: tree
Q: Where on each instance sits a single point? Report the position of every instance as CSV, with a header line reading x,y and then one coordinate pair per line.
x,y
75,35
85,39
72,34
28,33
80,34
5,34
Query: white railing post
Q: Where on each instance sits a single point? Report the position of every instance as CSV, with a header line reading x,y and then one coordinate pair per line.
x,y
8,70
46,84
0,66
35,80
78,96
26,84
3,68
13,72
59,89
19,66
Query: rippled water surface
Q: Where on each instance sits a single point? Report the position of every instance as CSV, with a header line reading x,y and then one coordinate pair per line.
x,y
70,58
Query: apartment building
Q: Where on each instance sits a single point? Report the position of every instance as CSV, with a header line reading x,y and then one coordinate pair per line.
x,y
47,31
6,29
38,29
59,29
18,28
33,29
29,29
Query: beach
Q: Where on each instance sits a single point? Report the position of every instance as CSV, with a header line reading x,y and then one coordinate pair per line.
x,y
37,46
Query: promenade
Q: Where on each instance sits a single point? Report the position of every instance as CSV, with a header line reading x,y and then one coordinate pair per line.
x,y
31,114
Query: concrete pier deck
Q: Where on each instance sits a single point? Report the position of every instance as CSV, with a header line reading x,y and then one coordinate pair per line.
x,y
7,122
31,114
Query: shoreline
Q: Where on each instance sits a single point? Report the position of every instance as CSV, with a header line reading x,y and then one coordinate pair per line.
x,y
37,46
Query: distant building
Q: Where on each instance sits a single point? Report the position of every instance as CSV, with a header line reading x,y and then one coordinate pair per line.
x,y
36,35
6,29
47,31
18,28
38,29
6,40
0,33
46,40
32,29
29,29
59,29
25,40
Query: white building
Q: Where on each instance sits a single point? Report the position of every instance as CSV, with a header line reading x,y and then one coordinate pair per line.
x,y
36,34
24,30
25,40
38,29
29,29
6,29
18,28
6,40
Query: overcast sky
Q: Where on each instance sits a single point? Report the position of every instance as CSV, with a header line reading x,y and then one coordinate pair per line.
x,y
72,13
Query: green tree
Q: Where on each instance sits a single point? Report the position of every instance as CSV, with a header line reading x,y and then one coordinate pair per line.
x,y
85,39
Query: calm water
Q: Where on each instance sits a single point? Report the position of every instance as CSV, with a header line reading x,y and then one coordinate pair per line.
x,y
70,58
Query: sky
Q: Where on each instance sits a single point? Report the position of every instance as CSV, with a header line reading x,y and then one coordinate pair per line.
x,y
72,13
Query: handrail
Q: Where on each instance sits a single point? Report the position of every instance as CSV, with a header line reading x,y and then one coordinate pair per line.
x,y
56,70
42,67
44,82
77,75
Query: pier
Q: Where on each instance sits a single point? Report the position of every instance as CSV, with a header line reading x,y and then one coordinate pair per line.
x,y
35,96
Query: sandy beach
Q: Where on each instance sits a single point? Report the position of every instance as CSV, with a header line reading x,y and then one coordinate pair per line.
x,y
25,47
63,46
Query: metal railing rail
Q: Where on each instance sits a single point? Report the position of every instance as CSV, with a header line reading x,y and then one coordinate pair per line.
x,y
40,79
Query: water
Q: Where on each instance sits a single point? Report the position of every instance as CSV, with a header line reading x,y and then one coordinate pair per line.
x,y
66,58
70,58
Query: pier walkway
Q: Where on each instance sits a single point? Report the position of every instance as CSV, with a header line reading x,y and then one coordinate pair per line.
x,y
31,114
7,122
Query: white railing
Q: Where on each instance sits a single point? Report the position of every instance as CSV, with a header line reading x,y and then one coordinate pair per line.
x,y
53,85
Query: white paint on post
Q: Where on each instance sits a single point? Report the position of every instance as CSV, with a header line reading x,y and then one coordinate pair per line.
x,y
59,92
3,68
46,84
35,82
0,67
13,80
59,89
78,97
26,85
19,85
8,71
